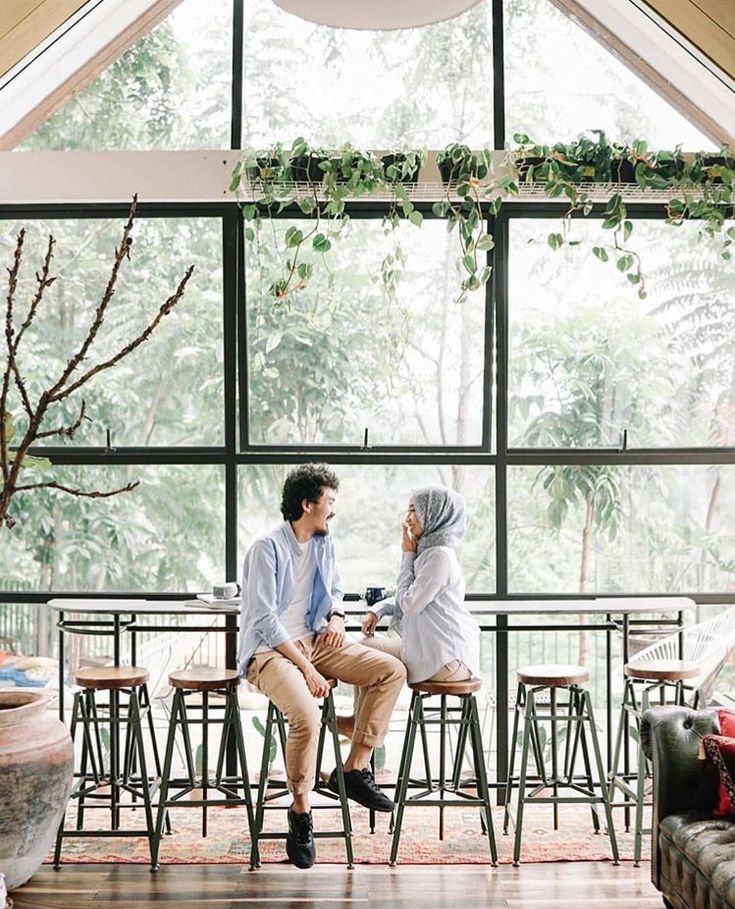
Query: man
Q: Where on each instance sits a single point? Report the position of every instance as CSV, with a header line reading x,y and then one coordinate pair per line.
x,y
292,638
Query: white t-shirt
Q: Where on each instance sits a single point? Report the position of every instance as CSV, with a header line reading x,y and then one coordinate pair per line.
x,y
294,618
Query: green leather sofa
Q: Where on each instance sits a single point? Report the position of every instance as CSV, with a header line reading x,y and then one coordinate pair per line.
x,y
693,853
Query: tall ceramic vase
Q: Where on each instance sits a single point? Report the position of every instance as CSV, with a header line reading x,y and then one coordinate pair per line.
x,y
36,772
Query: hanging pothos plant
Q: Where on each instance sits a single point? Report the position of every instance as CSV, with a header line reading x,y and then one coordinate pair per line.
x,y
700,188
319,184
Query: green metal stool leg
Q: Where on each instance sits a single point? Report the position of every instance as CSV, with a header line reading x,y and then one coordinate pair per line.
x,y
329,721
416,709
520,700
86,755
481,773
205,758
91,710
613,774
554,757
401,764
115,759
136,729
640,792
461,743
72,732
188,750
530,722
165,778
228,721
442,759
601,775
262,783
577,697
242,755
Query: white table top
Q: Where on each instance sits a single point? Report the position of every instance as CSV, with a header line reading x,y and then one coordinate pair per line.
x,y
591,606
138,607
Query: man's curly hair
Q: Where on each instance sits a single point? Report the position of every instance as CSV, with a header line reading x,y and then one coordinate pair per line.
x,y
305,482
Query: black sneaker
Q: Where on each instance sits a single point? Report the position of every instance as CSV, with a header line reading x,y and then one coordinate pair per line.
x,y
361,787
300,846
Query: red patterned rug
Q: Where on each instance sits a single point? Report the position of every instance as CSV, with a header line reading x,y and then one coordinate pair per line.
x,y
228,841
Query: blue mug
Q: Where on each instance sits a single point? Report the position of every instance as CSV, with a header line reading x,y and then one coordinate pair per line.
x,y
374,595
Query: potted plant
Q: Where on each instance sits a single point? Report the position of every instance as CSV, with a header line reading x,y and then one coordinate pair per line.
x,y
403,166
706,168
305,162
705,193
457,163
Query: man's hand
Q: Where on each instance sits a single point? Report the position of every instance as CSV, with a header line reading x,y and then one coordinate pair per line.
x,y
369,623
316,682
334,636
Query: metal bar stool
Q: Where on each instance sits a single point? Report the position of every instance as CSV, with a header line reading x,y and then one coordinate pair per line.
x,y
204,682
659,681
578,724
328,725
444,791
103,780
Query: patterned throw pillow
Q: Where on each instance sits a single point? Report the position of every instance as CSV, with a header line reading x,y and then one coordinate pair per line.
x,y
720,749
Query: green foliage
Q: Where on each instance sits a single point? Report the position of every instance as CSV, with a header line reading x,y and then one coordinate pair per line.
x,y
703,189
272,748
346,173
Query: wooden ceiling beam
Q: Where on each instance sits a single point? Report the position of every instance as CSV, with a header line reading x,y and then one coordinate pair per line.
x,y
63,69
708,24
24,24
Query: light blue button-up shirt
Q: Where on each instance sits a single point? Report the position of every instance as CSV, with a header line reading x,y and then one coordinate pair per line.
x,y
436,626
268,583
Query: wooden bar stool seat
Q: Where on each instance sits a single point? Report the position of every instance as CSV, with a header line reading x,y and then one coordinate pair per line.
x,y
468,686
662,670
192,706
447,788
204,678
553,676
569,714
107,678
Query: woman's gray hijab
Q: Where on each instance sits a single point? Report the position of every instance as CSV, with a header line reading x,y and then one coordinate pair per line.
x,y
441,513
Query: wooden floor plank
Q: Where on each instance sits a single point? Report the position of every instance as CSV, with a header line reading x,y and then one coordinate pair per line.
x,y
568,885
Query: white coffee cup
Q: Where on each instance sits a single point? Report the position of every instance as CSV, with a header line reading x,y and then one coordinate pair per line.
x,y
228,590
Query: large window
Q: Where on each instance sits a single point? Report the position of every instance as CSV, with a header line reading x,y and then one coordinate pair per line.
x,y
170,390
600,528
345,356
590,360
384,89
166,534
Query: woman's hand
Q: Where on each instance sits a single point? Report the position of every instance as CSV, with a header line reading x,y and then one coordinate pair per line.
x,y
315,682
408,544
334,636
369,623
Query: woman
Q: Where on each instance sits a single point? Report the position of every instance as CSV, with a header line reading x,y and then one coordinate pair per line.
x,y
439,638
432,631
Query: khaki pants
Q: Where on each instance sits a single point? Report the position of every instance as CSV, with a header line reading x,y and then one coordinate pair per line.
x,y
380,675
454,671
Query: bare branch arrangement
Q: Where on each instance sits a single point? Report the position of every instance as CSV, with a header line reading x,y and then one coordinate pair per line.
x,y
13,459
